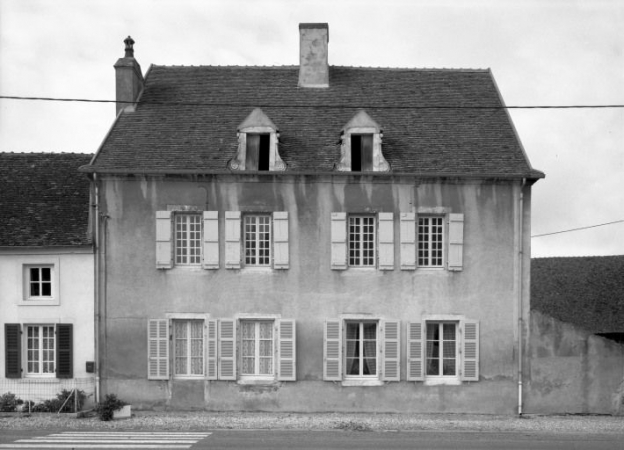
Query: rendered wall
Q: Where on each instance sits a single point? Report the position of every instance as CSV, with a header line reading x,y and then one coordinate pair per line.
x,y
75,306
309,291
573,371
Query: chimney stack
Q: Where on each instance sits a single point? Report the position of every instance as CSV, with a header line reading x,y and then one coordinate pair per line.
x,y
313,65
128,77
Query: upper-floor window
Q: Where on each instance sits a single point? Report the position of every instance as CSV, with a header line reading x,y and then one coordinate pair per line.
x,y
257,240
362,241
360,150
188,239
258,148
39,282
431,241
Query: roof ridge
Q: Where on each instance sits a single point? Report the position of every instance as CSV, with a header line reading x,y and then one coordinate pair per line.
x,y
294,66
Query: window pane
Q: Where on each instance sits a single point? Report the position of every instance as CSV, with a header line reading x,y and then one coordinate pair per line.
x,y
46,289
35,290
34,274
45,274
448,367
433,366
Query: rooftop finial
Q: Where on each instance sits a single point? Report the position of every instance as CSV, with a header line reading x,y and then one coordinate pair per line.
x,y
129,50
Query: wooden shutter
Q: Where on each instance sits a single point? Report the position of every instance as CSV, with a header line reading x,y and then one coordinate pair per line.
x,y
415,352
386,241
158,349
286,345
252,152
456,242
280,240
408,241
64,350
211,240
470,346
164,248
12,350
232,239
339,241
227,349
367,152
332,351
391,350
212,349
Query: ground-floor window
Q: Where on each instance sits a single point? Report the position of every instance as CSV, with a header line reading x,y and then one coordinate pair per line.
x,y
40,350
257,349
188,337
441,349
361,354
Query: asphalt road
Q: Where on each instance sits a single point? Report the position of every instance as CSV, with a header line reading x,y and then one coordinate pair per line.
x,y
305,440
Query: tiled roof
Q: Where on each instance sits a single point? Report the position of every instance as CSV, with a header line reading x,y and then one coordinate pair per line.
x,y
585,291
44,200
188,116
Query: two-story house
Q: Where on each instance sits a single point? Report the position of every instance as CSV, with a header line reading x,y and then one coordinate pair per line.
x,y
46,276
312,238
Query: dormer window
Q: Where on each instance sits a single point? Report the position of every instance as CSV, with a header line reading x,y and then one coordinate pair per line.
x,y
360,150
258,139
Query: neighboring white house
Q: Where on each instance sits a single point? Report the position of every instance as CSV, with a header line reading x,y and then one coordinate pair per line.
x,y
46,276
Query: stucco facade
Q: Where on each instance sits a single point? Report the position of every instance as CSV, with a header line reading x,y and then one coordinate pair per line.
x,y
491,288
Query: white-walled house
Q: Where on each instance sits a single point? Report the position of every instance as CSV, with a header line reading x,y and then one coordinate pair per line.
x,y
46,276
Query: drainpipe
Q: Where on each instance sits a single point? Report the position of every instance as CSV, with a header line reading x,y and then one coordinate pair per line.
x,y
520,292
96,318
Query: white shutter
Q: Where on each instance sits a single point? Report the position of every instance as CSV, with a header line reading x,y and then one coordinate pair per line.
x,y
287,347
211,240
212,349
456,242
415,352
280,240
408,241
470,346
332,351
386,241
158,349
164,248
232,239
339,241
391,350
227,349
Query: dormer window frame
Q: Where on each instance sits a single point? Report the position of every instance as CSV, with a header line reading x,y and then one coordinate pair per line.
x,y
362,125
257,123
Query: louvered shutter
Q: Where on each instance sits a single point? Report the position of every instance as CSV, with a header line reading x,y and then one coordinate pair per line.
x,y
415,352
252,152
227,349
280,240
456,242
158,349
470,357
367,152
339,241
391,350
408,241
64,350
332,351
212,349
211,240
164,247
386,241
12,350
287,361
232,239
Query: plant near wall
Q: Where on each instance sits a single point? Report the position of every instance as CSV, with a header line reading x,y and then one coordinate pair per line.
x,y
106,408
9,402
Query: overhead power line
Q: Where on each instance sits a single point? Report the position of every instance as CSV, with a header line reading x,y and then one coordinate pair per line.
x,y
86,100
577,229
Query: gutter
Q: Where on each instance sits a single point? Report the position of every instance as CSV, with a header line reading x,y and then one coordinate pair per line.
x,y
520,293
96,319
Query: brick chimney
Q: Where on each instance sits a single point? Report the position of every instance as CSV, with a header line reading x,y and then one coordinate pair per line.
x,y
313,66
128,78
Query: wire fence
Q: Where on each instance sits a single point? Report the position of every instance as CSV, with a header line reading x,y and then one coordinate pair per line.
x,y
54,394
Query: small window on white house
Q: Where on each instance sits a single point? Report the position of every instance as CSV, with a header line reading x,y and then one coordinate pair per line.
x,y
361,351
258,139
39,282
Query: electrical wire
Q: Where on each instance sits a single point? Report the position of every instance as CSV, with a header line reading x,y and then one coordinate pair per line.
x,y
330,106
576,229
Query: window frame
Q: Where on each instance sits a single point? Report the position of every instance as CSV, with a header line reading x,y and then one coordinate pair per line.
x,y
40,361
430,241
174,322
198,247
362,242
361,341
257,240
256,375
32,262
440,324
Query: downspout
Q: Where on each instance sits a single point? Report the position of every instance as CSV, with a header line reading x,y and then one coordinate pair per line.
x,y
96,318
520,292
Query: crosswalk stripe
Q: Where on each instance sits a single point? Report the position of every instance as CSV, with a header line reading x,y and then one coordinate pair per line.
x,y
111,441
73,446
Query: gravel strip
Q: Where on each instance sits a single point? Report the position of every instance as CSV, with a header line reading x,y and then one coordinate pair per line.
x,y
181,421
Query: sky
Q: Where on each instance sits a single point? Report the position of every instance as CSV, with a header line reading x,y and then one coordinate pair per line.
x,y
541,53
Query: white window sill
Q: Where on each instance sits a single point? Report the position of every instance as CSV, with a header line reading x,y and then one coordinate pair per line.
x,y
189,377
257,381
362,382
437,381
39,302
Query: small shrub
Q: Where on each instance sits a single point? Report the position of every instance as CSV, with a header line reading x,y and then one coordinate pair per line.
x,y
64,403
9,402
106,408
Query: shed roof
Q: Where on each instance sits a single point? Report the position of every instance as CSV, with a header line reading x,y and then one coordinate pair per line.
x,y
44,200
586,291
434,122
